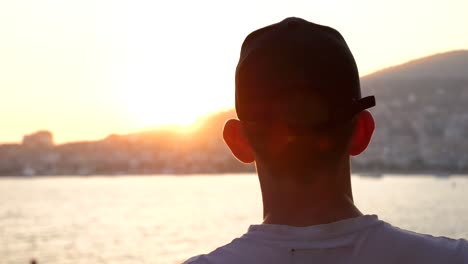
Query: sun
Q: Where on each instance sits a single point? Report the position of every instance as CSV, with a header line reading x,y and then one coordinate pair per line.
x,y
149,111
156,108
161,90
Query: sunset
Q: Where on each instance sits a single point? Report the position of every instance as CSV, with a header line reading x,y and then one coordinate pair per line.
x,y
266,132
86,69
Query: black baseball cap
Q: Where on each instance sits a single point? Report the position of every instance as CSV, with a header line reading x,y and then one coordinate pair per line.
x,y
298,72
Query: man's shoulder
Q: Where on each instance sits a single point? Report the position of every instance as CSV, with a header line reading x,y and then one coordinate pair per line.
x,y
220,255
195,260
394,234
405,244
240,250
380,244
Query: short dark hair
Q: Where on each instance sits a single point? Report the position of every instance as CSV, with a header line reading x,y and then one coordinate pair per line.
x,y
285,148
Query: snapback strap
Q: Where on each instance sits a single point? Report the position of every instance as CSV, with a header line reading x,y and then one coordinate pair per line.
x,y
363,104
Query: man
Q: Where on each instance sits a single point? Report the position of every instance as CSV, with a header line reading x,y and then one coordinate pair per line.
x,y
301,117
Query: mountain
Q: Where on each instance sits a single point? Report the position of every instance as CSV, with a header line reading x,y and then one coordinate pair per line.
x,y
452,65
421,115
421,126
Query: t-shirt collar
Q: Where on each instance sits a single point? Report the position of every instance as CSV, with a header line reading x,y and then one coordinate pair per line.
x,y
315,232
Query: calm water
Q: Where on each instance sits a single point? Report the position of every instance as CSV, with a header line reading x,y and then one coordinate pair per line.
x,y
167,219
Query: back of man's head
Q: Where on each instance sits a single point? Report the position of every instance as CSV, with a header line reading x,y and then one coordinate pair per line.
x,y
297,95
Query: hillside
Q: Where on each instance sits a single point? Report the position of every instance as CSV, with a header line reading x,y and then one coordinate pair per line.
x,y
449,66
421,115
421,126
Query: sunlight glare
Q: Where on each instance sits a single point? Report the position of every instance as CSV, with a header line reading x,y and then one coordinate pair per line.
x,y
165,108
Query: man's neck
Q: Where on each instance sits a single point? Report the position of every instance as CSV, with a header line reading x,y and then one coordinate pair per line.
x,y
327,198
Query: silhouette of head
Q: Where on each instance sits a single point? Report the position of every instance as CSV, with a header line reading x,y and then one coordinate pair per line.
x,y
298,98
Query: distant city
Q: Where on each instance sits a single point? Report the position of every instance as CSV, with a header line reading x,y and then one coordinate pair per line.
x,y
421,127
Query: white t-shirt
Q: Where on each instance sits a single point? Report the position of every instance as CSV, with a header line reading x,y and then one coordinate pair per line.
x,y
364,239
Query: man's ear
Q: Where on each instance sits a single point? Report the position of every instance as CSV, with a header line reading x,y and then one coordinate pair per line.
x,y
237,141
362,133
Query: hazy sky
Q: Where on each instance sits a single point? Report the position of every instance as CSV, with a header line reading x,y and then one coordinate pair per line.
x,y
85,69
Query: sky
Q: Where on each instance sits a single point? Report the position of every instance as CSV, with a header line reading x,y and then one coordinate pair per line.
x,y
86,69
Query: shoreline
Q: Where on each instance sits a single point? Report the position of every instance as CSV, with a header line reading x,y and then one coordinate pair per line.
x,y
364,174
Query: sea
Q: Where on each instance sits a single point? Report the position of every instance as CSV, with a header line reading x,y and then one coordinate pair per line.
x,y
167,219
